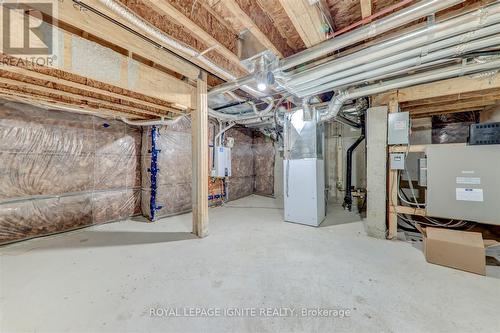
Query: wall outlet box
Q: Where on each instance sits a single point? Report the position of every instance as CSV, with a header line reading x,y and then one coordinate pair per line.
x,y
397,161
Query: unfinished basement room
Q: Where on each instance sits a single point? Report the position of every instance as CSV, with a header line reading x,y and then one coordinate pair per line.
x,y
249,166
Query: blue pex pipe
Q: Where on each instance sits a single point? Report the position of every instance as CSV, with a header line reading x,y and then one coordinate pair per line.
x,y
154,173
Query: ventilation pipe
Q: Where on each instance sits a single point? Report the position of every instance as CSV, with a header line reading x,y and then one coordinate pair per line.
x,y
151,30
398,19
423,45
338,100
396,64
348,178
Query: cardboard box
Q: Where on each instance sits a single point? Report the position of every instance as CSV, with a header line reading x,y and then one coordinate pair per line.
x,y
462,250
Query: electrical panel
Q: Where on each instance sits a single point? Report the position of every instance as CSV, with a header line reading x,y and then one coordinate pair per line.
x,y
484,134
397,161
399,128
222,162
463,182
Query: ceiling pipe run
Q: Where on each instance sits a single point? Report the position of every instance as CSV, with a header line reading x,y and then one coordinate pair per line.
x,y
160,122
148,28
397,64
338,100
407,15
470,26
421,9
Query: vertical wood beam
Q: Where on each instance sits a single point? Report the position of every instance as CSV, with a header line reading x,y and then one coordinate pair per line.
x,y
392,179
199,130
366,8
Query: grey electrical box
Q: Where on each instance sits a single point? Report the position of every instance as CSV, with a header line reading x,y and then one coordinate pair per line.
x,y
422,172
398,128
397,161
463,182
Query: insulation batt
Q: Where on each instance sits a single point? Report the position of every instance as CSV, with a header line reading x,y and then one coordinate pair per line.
x,y
173,178
251,172
263,152
61,171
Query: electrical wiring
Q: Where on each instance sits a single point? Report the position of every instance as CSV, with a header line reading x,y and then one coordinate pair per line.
x,y
428,221
409,179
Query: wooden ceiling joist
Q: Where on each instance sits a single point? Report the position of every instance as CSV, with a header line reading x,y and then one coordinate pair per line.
x,y
178,32
32,78
308,20
77,97
482,94
252,17
447,108
57,101
366,8
458,85
202,24
282,22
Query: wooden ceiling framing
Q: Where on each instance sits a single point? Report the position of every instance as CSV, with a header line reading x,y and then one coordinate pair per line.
x,y
146,80
467,93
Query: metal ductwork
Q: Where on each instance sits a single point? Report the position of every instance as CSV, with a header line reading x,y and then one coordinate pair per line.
x,y
443,41
398,19
450,38
338,100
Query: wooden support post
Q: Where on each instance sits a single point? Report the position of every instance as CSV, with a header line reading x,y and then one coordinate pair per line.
x,y
199,130
392,179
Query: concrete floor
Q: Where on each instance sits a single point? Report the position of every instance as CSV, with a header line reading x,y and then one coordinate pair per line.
x,y
107,278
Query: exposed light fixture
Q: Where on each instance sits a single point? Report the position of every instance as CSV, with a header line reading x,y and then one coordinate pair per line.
x,y
261,86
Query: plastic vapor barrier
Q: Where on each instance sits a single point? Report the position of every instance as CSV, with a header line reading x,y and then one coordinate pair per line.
x,y
61,171
167,170
241,182
171,193
263,154
452,128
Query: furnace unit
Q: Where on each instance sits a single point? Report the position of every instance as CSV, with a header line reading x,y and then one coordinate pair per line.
x,y
304,169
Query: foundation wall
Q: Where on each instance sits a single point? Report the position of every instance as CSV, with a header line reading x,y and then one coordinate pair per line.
x,y
61,171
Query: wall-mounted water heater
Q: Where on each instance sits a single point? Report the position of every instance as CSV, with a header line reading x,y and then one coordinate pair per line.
x,y
222,162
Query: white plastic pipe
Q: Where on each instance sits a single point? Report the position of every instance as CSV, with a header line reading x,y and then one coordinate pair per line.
x,y
161,121
268,108
222,131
